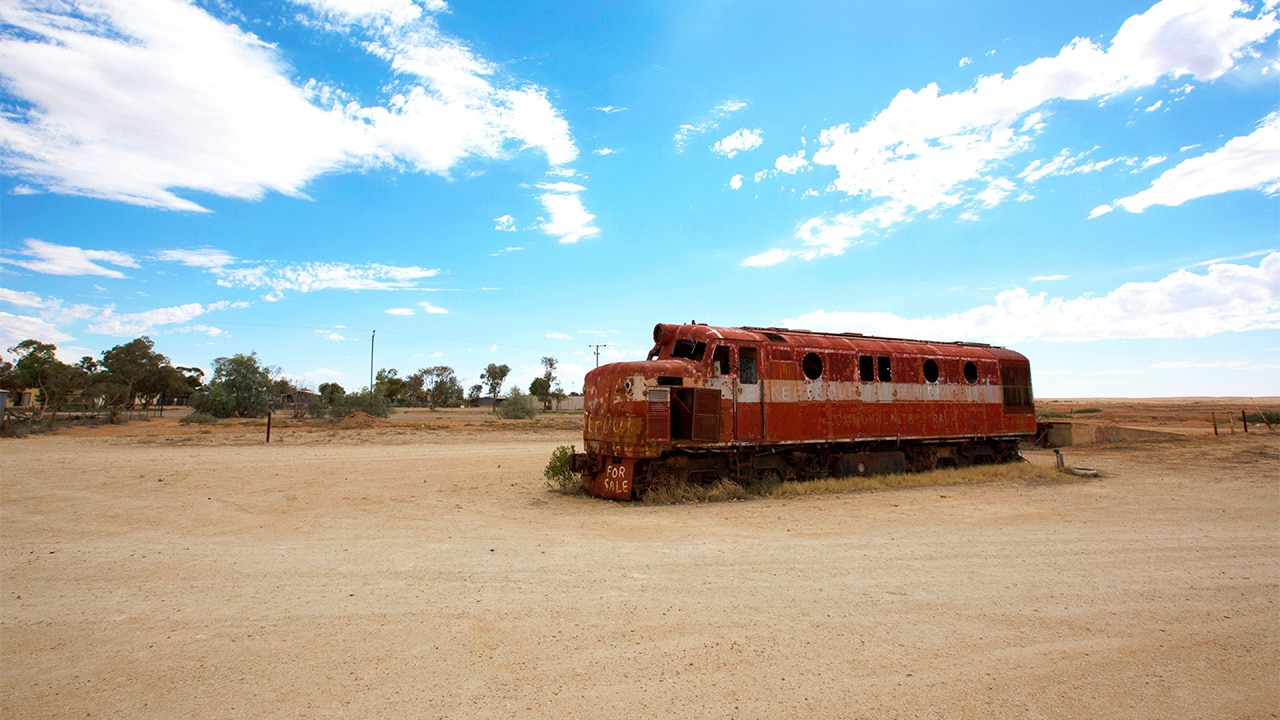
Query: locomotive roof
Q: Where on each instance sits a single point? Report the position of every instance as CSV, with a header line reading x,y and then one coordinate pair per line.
x,y
766,331
797,338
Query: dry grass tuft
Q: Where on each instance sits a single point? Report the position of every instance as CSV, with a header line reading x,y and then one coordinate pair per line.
x,y
722,490
1009,472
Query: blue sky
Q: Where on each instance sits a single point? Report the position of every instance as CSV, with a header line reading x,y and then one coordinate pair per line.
x,y
1095,185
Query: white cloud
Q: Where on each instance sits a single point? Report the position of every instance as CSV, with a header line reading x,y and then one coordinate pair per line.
x,y
51,259
791,164
1227,298
201,105
209,330
332,336
108,322
1219,365
1156,106
610,109
718,114
557,336
394,11
829,236
1049,278
20,298
202,258
505,223
569,221
767,258
743,140
604,151
400,312
16,328
316,378
735,182
432,309
965,61
312,277
929,150
1249,162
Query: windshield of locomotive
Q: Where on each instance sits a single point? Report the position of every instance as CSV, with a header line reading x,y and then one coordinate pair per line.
x,y
690,349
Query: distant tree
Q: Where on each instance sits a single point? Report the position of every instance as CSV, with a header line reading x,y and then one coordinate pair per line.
x,y
473,394
329,394
437,386
551,389
134,371
193,377
36,366
241,386
493,377
7,378
389,385
541,389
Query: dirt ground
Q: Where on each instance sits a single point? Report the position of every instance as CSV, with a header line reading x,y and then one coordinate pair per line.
x,y
418,568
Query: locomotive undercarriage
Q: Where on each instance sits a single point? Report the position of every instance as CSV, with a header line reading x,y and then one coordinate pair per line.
x,y
755,466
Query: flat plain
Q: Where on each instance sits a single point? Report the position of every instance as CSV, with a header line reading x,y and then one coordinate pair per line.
x,y
418,567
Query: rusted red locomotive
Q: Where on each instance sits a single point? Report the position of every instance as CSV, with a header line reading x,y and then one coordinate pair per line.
x,y
767,404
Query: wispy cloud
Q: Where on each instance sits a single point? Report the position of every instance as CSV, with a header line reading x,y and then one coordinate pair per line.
x,y
314,277
1227,298
1249,162
718,114
51,259
199,258
109,322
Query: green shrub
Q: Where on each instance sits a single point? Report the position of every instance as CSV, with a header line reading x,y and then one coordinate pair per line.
x,y
517,406
198,418
559,477
1271,416
213,401
374,404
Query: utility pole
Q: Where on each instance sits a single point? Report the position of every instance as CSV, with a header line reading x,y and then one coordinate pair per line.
x,y
371,339
596,348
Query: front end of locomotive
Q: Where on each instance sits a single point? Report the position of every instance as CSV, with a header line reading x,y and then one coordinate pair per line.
x,y
623,423
627,412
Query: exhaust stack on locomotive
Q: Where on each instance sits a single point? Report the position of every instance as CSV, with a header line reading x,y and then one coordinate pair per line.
x,y
767,404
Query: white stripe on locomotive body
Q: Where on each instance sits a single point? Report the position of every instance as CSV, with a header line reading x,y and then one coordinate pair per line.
x,y
807,391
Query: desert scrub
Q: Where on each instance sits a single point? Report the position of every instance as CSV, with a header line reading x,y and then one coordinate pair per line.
x,y
198,418
559,477
669,491
517,406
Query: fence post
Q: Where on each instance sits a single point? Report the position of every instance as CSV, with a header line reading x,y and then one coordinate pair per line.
x,y
1244,420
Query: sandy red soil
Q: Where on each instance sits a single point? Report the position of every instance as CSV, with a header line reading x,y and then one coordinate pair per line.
x,y
418,568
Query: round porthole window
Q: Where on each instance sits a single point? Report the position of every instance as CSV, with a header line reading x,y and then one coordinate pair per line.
x,y
812,366
970,372
930,371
